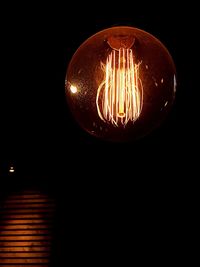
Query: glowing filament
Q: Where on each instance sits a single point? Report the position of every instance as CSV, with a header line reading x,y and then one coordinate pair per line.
x,y
120,95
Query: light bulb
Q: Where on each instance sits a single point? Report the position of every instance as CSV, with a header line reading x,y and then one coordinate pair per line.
x,y
120,83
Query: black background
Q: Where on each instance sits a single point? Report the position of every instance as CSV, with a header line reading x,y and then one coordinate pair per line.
x,y
154,179
38,41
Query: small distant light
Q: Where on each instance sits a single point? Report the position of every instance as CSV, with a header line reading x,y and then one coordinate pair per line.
x,y
11,169
73,89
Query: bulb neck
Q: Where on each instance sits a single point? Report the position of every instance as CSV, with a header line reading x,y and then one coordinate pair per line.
x,y
121,41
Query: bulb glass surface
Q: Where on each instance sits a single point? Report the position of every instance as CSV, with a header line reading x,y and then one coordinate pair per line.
x,y
120,83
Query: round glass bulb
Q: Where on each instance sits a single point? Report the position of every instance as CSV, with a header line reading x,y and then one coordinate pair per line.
x,y
120,83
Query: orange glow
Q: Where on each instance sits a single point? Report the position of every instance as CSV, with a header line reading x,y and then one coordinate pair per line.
x,y
120,96
125,84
